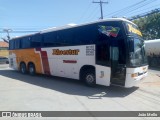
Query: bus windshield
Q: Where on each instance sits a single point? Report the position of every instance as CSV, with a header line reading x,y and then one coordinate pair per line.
x,y
137,56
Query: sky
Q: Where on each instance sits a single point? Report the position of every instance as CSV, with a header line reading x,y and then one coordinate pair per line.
x,y
28,16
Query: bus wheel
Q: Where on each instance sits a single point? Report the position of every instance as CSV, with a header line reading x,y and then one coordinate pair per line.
x,y
31,69
89,78
23,68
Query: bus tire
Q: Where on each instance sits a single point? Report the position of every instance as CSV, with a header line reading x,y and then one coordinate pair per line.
x,y
23,68
89,78
31,69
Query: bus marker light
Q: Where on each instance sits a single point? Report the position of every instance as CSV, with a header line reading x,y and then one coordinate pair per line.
x,y
134,75
144,68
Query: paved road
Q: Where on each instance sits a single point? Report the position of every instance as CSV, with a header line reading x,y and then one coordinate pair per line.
x,y
4,66
34,93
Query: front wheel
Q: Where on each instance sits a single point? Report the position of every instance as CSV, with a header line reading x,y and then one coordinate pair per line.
x,y
89,77
32,69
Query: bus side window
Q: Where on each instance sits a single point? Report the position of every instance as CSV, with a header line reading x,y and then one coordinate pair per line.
x,y
17,43
36,40
49,39
25,42
85,35
64,37
11,44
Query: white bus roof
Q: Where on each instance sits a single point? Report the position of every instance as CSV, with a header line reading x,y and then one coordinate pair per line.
x,y
74,25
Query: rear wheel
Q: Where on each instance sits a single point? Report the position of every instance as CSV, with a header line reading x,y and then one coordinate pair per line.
x,y
89,78
23,68
31,69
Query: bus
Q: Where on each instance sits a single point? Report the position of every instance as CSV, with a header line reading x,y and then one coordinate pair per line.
x,y
104,52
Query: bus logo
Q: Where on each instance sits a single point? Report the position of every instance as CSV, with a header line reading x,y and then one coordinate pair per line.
x,y
109,30
65,52
134,30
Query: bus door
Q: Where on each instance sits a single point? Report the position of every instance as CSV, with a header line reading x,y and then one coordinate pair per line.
x,y
118,61
103,68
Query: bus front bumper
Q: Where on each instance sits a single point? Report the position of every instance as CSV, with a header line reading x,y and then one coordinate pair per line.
x,y
135,75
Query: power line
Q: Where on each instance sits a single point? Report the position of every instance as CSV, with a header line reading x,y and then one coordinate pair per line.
x,y
131,8
100,3
20,31
138,7
118,11
147,8
93,13
145,14
25,28
85,12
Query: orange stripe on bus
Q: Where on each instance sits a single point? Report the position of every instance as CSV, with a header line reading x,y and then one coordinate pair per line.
x,y
28,55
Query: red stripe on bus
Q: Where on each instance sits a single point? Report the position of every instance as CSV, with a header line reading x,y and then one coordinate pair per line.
x,y
69,61
45,62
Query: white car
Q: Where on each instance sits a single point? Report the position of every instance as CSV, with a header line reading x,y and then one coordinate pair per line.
x,y
4,60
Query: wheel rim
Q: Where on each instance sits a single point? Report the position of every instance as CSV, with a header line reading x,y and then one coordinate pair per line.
x,y
22,69
31,69
90,79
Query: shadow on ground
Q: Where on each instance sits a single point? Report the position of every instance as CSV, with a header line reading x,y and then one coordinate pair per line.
x,y
154,68
69,86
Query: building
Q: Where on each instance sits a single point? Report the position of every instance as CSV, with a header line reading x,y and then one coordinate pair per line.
x,y
4,49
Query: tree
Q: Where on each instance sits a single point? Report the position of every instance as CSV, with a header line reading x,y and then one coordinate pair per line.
x,y
149,26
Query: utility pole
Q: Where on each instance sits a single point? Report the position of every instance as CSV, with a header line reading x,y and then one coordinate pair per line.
x,y
100,3
7,31
8,36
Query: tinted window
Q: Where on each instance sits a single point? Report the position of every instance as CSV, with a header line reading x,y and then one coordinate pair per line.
x,y
73,36
85,34
122,51
25,42
58,38
36,40
103,52
49,39
65,37
11,44
17,43
110,43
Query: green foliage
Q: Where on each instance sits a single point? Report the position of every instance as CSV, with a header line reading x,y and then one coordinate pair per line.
x,y
149,26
